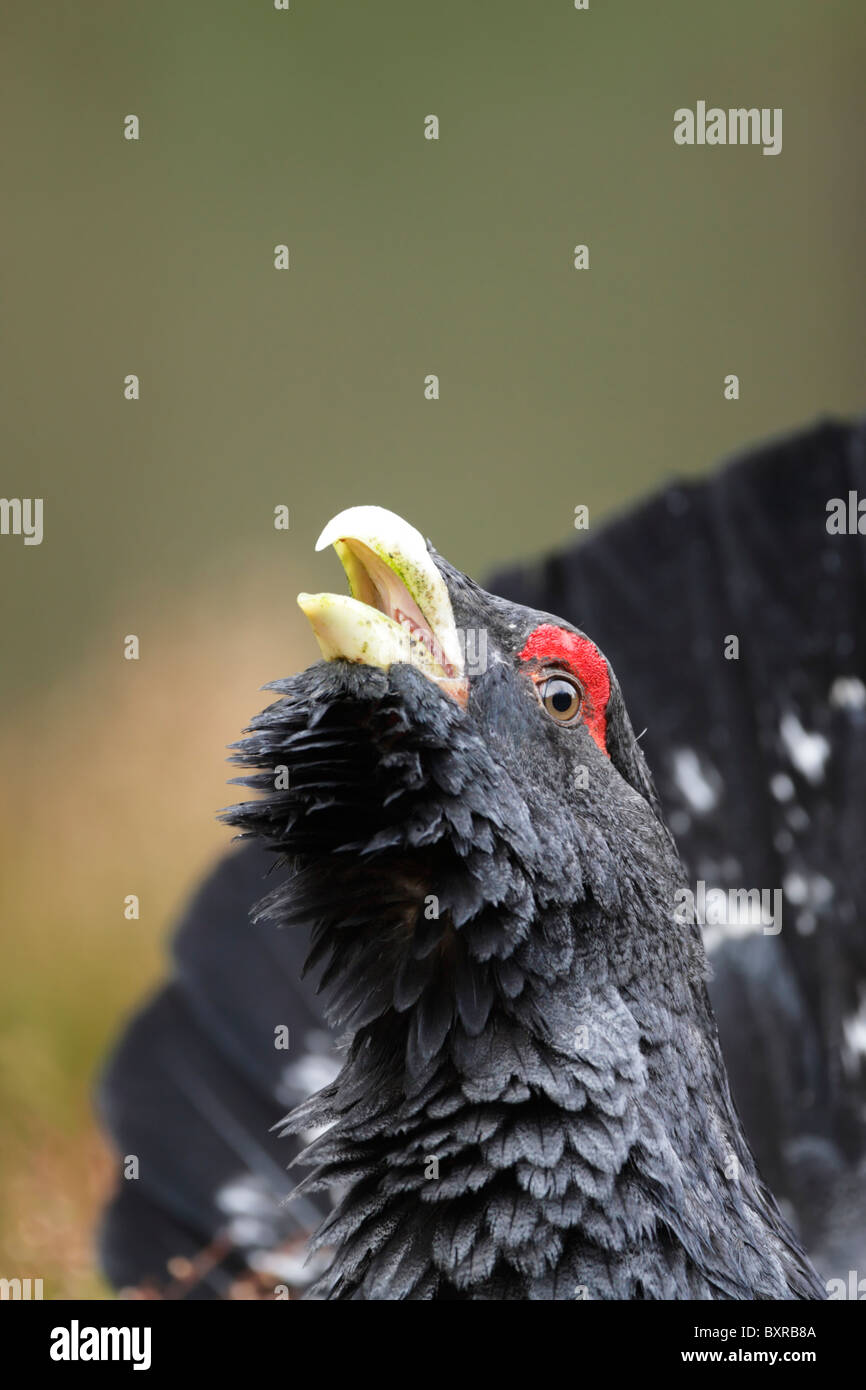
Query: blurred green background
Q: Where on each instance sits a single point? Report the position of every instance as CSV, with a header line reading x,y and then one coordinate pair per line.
x,y
306,388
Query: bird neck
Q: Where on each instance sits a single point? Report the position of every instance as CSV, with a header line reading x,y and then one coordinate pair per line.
x,y
582,1138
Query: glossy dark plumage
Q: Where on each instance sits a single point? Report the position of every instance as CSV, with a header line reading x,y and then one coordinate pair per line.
x,y
543,1039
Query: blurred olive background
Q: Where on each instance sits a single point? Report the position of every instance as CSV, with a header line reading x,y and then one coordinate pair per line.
x,y
306,388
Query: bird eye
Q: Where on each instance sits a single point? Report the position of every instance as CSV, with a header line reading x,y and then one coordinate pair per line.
x,y
562,697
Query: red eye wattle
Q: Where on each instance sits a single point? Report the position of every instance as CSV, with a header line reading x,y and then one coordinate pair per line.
x,y
554,646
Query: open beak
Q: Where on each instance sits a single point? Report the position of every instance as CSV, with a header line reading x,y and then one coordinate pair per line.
x,y
400,610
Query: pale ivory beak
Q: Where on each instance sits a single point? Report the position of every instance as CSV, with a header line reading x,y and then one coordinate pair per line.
x,y
400,610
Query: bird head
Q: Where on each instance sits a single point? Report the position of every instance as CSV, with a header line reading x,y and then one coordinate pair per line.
x,y
408,605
